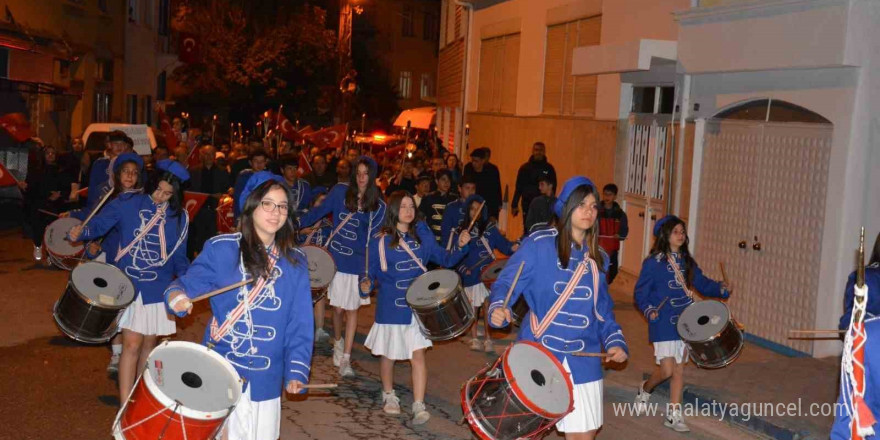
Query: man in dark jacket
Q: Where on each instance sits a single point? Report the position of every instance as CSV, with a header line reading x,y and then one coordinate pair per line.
x,y
527,180
487,178
613,228
540,212
434,204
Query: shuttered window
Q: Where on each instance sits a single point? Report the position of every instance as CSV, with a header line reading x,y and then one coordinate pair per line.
x,y
564,93
499,68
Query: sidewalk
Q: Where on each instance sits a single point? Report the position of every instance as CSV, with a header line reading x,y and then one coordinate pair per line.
x,y
758,376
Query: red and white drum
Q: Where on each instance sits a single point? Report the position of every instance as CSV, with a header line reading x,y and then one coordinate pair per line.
x,y
522,395
60,251
186,393
491,271
322,269
225,216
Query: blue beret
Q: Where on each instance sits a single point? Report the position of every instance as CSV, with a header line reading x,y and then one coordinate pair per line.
x,y
128,157
173,167
659,224
484,213
569,187
255,180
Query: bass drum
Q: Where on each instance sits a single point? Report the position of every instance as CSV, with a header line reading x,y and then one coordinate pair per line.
x,y
713,337
90,308
440,305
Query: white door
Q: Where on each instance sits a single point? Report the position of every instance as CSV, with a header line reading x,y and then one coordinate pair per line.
x,y
761,211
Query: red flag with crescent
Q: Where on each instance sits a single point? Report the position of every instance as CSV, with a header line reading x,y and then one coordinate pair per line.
x,y
329,138
6,178
189,48
287,129
193,201
17,125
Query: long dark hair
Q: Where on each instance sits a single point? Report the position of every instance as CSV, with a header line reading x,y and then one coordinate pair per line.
x,y
392,216
253,252
117,178
563,226
482,222
175,203
372,194
661,246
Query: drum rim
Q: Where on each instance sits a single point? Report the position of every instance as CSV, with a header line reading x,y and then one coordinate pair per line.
x,y
468,409
483,271
444,301
77,254
730,321
505,365
186,411
335,269
732,324
92,302
78,338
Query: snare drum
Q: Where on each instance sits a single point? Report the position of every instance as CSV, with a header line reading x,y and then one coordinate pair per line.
x,y
491,271
61,252
440,305
186,392
90,307
521,395
322,269
711,334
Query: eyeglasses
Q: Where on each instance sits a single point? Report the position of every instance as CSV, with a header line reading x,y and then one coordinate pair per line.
x,y
270,206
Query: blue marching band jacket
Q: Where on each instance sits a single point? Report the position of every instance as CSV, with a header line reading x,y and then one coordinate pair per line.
x,y
872,280
481,253
584,323
110,244
348,246
657,282
271,342
452,218
394,270
300,196
151,257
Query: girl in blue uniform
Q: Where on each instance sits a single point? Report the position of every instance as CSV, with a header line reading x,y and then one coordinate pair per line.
x,y
265,328
482,252
667,283
151,251
315,236
399,255
357,210
564,285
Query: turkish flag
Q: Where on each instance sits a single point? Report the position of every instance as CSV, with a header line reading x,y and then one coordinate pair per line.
x,y
167,131
304,166
6,178
287,129
306,130
193,201
189,48
329,138
17,125
193,160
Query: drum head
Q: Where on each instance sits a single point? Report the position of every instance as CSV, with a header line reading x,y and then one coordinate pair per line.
x,y
200,379
322,268
702,320
491,272
102,284
538,379
433,288
55,235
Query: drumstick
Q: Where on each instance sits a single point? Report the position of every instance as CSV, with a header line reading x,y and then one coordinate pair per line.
x,y
723,274
95,211
590,355
48,213
662,303
474,220
220,290
319,385
832,332
512,285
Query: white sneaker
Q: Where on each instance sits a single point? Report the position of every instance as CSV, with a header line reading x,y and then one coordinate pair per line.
x,y
391,401
675,421
338,351
38,253
488,346
476,345
420,414
321,335
345,369
642,398
113,366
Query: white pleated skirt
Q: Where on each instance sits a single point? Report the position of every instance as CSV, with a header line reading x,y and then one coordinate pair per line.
x,y
674,349
587,414
148,320
344,292
477,294
255,420
396,341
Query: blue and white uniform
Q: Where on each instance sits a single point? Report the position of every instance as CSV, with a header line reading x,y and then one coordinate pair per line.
x,y
100,180
348,245
395,333
453,215
841,429
872,280
657,281
299,196
270,343
584,323
151,250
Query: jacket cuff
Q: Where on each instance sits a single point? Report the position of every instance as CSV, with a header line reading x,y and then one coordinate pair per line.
x,y
496,305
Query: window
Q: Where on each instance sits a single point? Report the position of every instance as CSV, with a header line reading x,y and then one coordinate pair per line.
x,y
405,85
653,100
131,109
160,86
133,11
499,68
431,28
4,62
407,23
427,86
772,110
164,17
147,110
103,102
104,70
564,93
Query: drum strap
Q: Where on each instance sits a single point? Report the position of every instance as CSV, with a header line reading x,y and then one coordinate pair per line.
x,y
217,333
488,248
538,329
311,235
411,254
341,224
158,217
679,277
383,262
